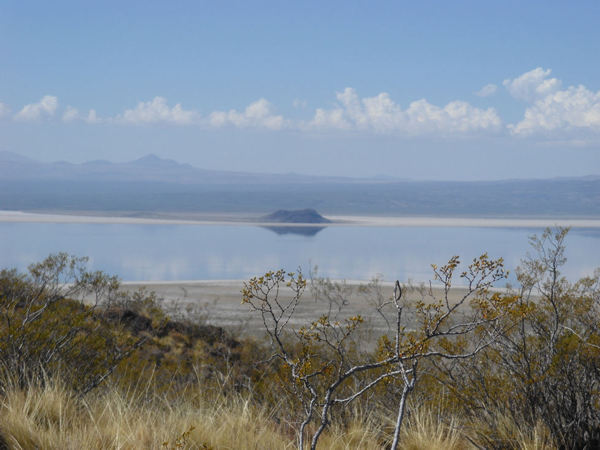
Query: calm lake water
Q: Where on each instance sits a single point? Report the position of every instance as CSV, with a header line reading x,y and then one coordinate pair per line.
x,y
200,252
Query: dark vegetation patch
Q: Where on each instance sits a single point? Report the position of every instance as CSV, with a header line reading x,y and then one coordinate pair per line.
x,y
308,215
45,331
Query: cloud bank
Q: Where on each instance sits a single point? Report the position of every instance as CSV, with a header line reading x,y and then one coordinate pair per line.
x,y
258,114
487,90
34,111
532,85
381,114
551,112
71,114
157,110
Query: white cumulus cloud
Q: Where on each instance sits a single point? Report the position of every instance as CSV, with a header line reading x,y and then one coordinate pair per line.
x,y
381,114
72,114
552,109
566,110
45,107
487,90
258,114
155,111
92,117
532,85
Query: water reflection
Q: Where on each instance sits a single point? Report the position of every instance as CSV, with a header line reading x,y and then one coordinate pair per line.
x,y
301,231
190,252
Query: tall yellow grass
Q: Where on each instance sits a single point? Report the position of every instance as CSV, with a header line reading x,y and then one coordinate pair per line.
x,y
46,415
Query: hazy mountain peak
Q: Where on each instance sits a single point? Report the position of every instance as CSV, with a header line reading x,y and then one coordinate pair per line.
x,y
7,156
95,162
154,160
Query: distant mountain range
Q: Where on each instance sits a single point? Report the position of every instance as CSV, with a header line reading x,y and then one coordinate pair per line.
x,y
150,168
152,186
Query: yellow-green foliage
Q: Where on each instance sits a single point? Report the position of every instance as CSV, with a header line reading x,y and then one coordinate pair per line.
x,y
542,371
67,338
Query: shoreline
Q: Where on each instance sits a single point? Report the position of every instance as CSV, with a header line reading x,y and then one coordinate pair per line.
x,y
219,303
337,221
240,281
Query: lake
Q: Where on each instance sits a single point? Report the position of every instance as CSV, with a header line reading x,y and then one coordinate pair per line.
x,y
147,252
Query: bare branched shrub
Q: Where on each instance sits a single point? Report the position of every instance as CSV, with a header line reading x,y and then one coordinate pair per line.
x,y
333,293
325,370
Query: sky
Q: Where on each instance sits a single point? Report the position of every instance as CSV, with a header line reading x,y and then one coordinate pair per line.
x,y
461,90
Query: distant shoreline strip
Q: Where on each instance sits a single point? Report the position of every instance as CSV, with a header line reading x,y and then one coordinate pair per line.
x,y
337,221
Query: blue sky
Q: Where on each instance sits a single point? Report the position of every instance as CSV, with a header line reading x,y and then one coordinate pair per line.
x,y
434,90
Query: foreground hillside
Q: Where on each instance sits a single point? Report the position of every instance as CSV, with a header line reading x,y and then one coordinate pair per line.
x,y
489,369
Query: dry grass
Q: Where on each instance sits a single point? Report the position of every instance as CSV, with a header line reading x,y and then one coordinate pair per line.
x,y
512,434
426,431
49,416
